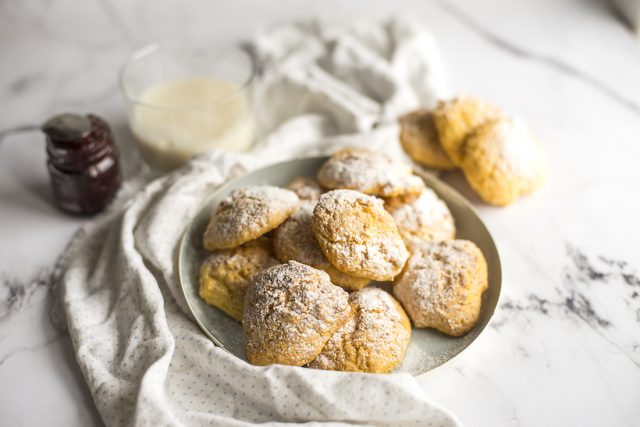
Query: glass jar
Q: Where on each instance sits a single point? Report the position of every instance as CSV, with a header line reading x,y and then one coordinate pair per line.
x,y
83,163
185,99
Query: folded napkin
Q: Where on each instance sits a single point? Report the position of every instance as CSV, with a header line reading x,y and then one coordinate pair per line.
x,y
144,360
323,81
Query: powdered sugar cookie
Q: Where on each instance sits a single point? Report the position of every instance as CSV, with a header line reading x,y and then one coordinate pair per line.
x,y
370,172
374,339
291,310
306,187
358,236
442,284
247,214
419,138
503,160
294,240
225,274
455,119
422,218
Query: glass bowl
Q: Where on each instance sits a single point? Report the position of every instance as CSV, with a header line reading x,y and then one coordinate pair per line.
x,y
183,100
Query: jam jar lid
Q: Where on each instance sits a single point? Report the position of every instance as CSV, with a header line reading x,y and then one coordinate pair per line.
x,y
67,127
75,141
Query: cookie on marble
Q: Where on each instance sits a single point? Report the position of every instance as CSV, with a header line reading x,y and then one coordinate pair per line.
x,y
226,274
290,312
247,214
457,118
369,172
503,160
374,339
306,187
419,138
294,240
422,218
358,236
442,284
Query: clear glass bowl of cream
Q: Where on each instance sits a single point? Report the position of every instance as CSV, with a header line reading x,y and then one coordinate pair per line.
x,y
183,100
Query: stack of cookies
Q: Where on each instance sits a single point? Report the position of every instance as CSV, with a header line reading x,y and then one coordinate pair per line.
x,y
499,155
294,265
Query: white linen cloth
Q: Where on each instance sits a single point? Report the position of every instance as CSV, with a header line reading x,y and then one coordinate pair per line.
x,y
144,360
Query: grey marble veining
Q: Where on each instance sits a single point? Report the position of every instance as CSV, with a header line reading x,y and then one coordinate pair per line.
x,y
15,293
553,62
563,348
573,300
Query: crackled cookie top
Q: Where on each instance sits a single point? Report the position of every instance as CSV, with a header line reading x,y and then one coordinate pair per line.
x,y
294,240
247,214
419,138
358,236
306,187
422,218
374,339
370,172
225,274
503,160
457,118
442,284
291,310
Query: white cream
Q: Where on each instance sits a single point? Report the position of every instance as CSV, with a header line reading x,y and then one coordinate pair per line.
x,y
179,119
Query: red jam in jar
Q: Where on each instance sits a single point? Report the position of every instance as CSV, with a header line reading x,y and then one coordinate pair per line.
x,y
83,162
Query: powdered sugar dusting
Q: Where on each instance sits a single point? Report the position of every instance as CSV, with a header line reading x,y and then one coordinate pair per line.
x,y
373,340
291,310
370,172
442,285
517,148
294,240
225,274
247,214
358,236
425,217
376,300
306,187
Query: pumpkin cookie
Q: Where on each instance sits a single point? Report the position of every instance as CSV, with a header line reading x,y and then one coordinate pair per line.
x,y
294,240
374,339
422,218
419,138
291,310
441,287
306,187
225,274
358,236
247,214
503,160
370,172
455,119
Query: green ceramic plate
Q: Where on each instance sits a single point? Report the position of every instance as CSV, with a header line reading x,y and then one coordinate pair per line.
x,y
428,348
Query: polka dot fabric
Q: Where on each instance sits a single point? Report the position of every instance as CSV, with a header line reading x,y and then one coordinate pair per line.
x,y
147,363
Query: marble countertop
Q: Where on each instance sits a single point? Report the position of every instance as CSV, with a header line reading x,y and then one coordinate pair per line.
x,y
564,345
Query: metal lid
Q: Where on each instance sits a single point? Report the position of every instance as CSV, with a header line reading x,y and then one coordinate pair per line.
x,y
67,127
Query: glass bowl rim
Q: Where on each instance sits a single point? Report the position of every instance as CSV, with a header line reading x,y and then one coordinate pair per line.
x,y
159,46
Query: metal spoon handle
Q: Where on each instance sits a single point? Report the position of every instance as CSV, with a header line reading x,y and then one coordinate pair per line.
x,y
18,129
